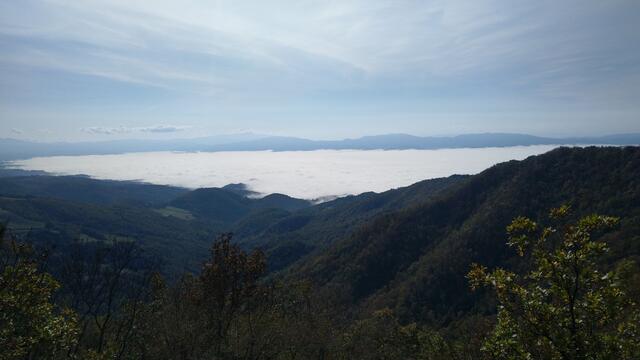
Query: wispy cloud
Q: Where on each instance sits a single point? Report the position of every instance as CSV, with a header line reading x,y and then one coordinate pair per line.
x,y
203,44
99,130
162,128
229,56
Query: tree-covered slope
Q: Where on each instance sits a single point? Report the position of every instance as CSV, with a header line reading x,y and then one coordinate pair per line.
x,y
176,224
415,260
225,205
87,190
55,224
287,238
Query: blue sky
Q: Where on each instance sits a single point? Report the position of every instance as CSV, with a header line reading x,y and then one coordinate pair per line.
x,y
95,70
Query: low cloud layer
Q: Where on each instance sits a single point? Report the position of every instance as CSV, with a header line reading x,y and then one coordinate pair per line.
x,y
303,174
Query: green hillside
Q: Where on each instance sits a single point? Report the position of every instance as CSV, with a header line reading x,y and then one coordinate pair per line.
x,y
87,190
58,223
288,238
371,276
220,204
415,260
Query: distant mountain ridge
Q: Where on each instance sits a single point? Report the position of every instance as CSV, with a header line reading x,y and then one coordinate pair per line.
x,y
404,142
11,149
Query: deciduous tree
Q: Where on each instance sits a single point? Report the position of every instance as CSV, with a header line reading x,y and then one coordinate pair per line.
x,y
567,306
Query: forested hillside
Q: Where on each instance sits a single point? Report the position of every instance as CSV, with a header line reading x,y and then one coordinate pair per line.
x,y
220,204
177,225
86,190
290,237
372,276
415,260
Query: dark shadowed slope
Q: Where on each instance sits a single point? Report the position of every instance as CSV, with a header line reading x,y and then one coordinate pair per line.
x,y
56,224
229,206
292,236
60,210
87,190
415,260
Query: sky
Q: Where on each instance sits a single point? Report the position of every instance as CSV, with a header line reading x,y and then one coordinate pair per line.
x,y
97,70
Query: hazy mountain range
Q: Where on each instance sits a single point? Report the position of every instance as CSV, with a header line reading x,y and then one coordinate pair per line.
x,y
11,149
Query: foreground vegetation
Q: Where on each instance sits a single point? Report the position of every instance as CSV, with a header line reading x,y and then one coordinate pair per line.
x,y
565,306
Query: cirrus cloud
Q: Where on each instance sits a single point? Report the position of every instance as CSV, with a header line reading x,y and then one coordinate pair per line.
x,y
307,67
101,130
162,128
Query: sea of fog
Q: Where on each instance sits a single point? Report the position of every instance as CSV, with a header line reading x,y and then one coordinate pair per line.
x,y
303,174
